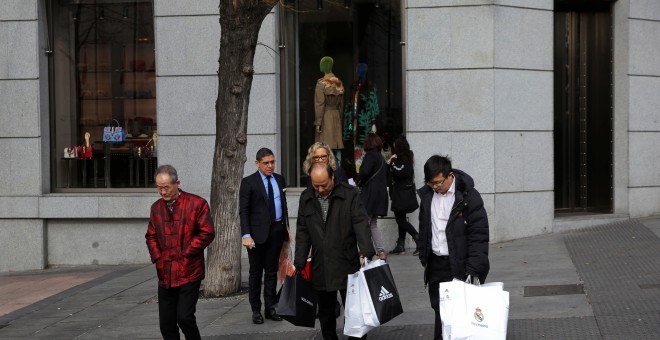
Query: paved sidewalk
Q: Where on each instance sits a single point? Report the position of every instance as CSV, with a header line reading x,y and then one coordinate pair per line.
x,y
597,283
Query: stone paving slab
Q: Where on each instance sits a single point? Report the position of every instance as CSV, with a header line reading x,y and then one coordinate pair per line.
x,y
580,328
614,260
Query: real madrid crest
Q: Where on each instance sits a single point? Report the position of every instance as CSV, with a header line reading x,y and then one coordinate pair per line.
x,y
478,315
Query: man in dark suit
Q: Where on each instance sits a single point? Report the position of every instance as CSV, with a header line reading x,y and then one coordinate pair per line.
x,y
264,224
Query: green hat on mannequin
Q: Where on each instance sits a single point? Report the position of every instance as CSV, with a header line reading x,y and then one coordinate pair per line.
x,y
326,64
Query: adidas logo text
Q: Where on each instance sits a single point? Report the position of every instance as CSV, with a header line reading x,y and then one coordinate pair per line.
x,y
384,294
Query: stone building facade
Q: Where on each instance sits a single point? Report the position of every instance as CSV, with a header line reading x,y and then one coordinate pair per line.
x,y
477,81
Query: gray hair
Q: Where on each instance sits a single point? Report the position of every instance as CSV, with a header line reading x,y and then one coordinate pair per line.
x,y
167,169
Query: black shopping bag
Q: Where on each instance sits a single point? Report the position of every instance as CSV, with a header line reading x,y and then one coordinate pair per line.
x,y
383,293
297,301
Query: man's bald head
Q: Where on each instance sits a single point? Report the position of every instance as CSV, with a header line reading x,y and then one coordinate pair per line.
x,y
320,169
322,178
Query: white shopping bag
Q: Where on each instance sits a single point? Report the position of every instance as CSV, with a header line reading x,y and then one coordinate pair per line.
x,y
354,322
451,297
474,312
368,310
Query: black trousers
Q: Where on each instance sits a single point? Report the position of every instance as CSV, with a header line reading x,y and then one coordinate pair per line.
x,y
404,226
439,270
176,306
264,259
327,318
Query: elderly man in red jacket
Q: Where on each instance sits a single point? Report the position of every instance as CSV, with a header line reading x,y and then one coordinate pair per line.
x,y
180,227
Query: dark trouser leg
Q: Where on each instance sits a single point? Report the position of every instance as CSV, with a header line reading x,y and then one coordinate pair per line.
x,y
327,319
434,296
400,218
342,293
167,310
256,257
185,314
271,262
439,271
404,226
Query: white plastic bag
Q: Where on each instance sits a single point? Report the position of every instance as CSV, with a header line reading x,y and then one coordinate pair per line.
x,y
473,312
368,310
354,322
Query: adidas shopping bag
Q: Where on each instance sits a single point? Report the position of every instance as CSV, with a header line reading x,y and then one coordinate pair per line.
x,y
383,292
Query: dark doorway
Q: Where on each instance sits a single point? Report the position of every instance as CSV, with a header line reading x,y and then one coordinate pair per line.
x,y
583,106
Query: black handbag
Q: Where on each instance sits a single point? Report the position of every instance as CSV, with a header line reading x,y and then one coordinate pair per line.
x,y
404,197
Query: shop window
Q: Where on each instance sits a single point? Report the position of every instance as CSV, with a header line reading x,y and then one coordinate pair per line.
x,y
102,93
367,32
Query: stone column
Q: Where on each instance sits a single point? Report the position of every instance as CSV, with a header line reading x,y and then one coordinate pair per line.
x,y
480,89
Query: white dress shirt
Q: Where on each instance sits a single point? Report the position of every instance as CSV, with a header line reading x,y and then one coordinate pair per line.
x,y
440,209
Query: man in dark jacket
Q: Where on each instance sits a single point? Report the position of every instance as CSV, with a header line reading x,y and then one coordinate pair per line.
x,y
333,223
180,227
263,212
453,229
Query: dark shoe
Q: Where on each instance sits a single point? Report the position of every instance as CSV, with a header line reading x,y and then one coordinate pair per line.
x,y
271,314
416,252
257,318
400,248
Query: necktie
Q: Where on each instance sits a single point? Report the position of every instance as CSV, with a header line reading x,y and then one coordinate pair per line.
x,y
271,199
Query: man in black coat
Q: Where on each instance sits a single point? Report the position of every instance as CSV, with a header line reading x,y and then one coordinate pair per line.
x,y
333,223
453,229
264,223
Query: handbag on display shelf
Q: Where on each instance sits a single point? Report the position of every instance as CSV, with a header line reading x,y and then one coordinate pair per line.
x,y
113,133
80,151
145,151
70,152
83,151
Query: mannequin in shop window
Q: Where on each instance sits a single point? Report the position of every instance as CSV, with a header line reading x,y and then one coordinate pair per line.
x,y
328,103
360,117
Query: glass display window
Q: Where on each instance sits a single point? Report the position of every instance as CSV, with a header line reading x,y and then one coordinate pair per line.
x,y
358,35
102,84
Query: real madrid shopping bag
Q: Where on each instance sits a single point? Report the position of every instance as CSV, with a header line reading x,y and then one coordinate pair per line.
x,y
383,292
451,301
473,311
297,301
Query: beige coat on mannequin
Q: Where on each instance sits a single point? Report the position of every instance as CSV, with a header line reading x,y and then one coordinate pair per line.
x,y
328,105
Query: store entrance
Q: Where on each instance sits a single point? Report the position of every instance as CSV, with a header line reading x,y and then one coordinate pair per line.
x,y
583,107
365,32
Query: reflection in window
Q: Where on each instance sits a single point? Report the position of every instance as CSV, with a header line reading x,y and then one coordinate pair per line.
x,y
102,93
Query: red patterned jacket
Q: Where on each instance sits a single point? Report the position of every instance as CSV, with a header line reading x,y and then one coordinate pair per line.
x,y
176,241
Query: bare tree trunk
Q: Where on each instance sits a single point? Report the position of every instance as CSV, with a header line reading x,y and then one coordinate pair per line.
x,y
240,21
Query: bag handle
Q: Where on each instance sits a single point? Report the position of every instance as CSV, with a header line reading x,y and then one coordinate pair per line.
x,y
116,121
473,280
